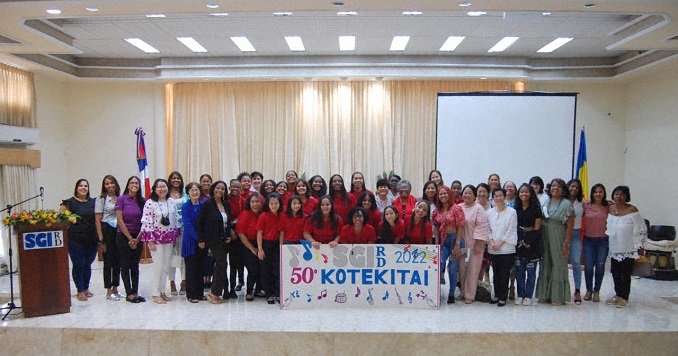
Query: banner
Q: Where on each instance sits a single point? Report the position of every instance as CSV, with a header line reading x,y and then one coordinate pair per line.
x,y
362,276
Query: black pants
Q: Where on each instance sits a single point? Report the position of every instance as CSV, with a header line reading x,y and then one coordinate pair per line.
x,y
621,274
194,270
219,252
501,268
111,257
270,268
252,264
129,263
235,259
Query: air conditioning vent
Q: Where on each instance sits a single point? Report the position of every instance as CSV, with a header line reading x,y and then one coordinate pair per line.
x,y
18,136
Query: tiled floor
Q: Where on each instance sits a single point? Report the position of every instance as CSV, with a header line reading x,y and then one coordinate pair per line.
x,y
651,309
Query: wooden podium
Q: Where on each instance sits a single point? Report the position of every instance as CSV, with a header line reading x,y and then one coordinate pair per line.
x,y
43,270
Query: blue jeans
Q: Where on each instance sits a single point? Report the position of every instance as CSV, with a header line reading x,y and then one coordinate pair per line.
x,y
82,258
526,285
595,254
446,250
575,257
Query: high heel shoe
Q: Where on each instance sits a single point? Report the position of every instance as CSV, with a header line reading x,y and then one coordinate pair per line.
x,y
214,299
173,288
182,288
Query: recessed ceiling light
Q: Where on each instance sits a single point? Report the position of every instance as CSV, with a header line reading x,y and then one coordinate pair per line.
x,y
503,44
140,44
465,3
92,8
192,44
282,13
411,13
451,43
295,43
155,15
476,13
483,78
347,13
347,43
212,6
555,44
219,14
590,6
399,43
338,3
53,11
546,14
243,43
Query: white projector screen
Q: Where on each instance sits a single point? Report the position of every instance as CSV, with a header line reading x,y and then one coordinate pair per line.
x,y
515,135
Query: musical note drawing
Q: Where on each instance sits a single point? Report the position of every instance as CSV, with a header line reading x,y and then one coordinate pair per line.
x,y
325,258
340,297
421,295
407,247
308,255
370,299
435,259
358,293
287,302
309,298
409,297
323,294
295,294
385,296
400,301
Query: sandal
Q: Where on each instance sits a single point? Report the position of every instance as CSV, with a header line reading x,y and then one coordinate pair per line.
x,y
88,294
158,300
82,297
270,300
173,288
182,288
249,297
193,300
214,299
133,300
165,297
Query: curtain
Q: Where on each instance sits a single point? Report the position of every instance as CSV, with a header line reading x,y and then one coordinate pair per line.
x,y
18,184
17,97
310,127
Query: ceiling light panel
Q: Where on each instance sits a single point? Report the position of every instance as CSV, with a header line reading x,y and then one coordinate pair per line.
x,y
451,43
554,45
243,44
399,43
192,44
502,45
140,44
346,43
295,43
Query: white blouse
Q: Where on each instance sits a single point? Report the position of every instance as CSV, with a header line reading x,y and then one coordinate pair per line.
x,y
627,234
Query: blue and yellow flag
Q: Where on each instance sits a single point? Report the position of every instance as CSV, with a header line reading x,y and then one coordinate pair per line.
x,y
582,165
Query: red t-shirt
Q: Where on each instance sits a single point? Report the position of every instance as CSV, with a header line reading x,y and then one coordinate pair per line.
x,y
348,235
398,231
374,218
246,194
415,234
268,225
409,207
342,208
237,204
309,206
356,195
247,225
325,234
292,228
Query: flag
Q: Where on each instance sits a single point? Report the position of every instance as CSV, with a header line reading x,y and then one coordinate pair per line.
x,y
582,166
142,161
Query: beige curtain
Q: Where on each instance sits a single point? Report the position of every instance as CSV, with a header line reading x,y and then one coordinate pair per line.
x,y
17,97
311,127
18,184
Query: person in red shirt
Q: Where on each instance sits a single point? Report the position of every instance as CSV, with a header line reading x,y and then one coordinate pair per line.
x,y
267,187
268,250
357,231
247,232
357,185
368,201
318,186
291,223
291,178
237,272
430,194
324,225
419,230
391,226
405,202
245,184
282,189
308,203
342,201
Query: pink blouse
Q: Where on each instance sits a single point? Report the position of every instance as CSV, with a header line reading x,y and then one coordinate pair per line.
x,y
476,227
453,217
596,221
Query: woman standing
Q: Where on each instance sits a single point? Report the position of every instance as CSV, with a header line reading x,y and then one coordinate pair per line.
x,y
596,242
553,285
430,194
291,224
268,247
405,202
538,185
476,234
267,187
82,237
393,185
382,198
436,177
308,203
106,222
455,188
192,251
341,200
160,229
511,190
324,225
449,221
205,184
483,199
213,227
576,198
357,185
245,184
178,197
283,190
502,245
627,232
357,231
257,178
419,230
247,232
530,245
318,186
128,210
391,227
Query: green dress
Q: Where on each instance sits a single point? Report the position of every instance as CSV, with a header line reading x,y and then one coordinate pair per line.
x,y
554,284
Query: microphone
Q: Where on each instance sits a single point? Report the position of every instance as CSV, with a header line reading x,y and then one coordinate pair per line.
x,y
42,193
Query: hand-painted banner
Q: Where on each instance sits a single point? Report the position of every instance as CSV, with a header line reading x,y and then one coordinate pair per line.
x,y
391,276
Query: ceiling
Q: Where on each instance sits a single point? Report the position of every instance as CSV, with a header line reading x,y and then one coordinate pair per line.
x,y
611,40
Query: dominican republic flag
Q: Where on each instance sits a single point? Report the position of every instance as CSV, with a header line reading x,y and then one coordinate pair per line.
x,y
142,161
582,165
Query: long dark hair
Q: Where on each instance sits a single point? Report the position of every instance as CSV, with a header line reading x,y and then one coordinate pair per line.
x,y
342,191
275,196
289,212
169,179
225,196
580,195
137,198
262,191
435,196
362,197
154,195
305,183
386,228
104,193
323,189
75,190
424,220
353,176
563,186
317,216
533,203
593,189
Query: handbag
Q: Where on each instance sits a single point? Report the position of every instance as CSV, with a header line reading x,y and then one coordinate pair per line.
x,y
642,267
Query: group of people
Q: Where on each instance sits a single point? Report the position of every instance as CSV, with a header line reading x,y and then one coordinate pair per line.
x,y
201,227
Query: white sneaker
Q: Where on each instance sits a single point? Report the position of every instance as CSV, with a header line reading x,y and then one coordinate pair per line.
x,y
518,301
527,302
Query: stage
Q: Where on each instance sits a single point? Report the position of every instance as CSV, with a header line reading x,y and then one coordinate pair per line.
x,y
649,325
